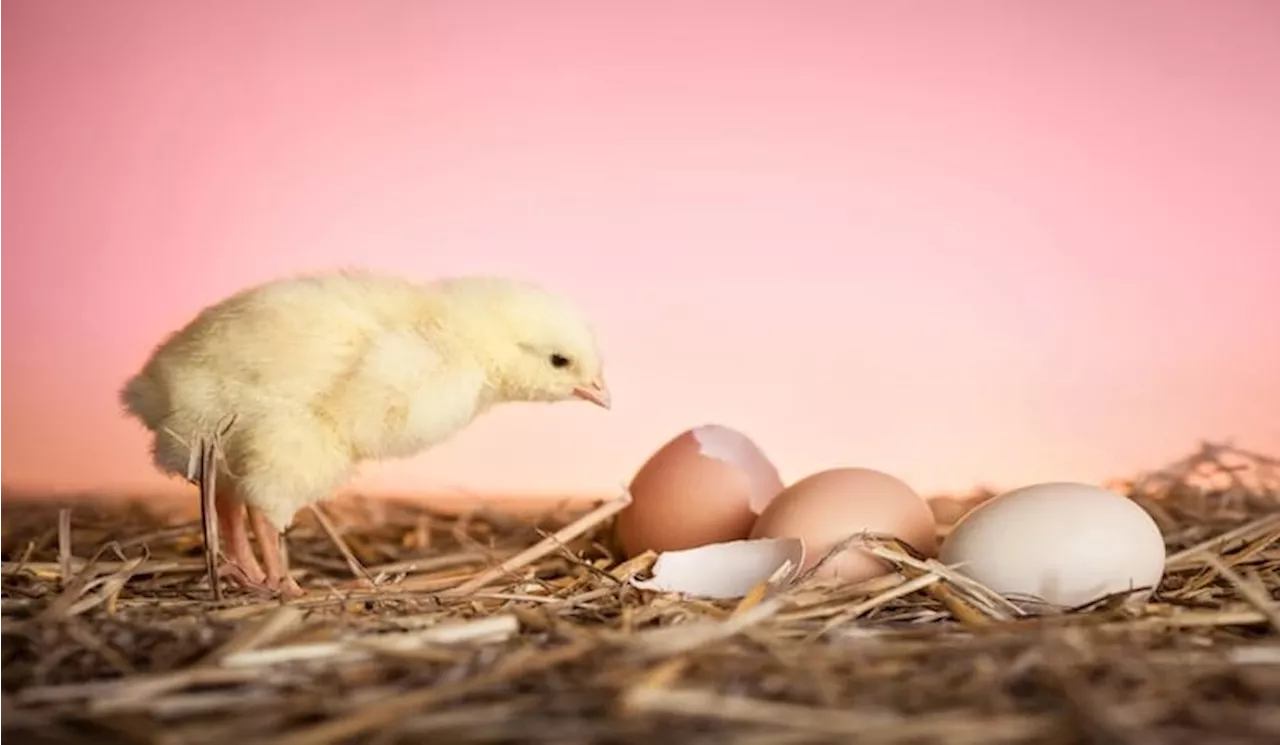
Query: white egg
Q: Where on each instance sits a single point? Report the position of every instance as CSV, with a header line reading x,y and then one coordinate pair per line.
x,y
1063,543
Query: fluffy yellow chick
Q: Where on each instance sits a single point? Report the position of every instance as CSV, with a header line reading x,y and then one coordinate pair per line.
x,y
319,373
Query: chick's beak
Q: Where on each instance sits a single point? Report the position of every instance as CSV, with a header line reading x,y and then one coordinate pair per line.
x,y
595,392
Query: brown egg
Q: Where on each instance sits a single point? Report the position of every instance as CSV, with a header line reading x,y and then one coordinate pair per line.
x,y
827,507
706,486
947,510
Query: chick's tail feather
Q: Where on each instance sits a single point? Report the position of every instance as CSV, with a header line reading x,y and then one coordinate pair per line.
x,y
145,400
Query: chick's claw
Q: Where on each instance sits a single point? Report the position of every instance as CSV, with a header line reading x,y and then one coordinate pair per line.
x,y
244,572
288,587
236,574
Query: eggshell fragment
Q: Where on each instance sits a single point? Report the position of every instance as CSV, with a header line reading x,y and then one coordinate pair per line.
x,y
828,507
705,486
724,570
1064,543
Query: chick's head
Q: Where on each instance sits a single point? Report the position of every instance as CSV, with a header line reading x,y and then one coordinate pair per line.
x,y
534,344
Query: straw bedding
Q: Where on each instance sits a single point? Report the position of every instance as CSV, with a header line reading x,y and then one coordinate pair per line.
x,y
488,627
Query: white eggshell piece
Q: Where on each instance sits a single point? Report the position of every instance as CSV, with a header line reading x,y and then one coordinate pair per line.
x,y
723,570
1063,543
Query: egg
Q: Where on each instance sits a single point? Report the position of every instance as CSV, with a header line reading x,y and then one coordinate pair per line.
x,y
826,508
1066,544
707,485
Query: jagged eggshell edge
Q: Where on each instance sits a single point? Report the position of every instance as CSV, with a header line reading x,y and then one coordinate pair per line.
x,y
724,570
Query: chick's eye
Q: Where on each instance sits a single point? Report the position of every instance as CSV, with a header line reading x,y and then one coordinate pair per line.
x,y
559,360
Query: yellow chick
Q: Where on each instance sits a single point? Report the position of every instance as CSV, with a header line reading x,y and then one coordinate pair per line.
x,y
319,373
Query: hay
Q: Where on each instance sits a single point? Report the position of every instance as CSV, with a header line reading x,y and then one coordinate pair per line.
x,y
488,628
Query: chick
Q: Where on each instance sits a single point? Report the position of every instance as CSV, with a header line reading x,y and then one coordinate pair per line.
x,y
319,373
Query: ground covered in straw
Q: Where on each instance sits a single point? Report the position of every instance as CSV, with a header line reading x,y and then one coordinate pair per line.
x,y
482,629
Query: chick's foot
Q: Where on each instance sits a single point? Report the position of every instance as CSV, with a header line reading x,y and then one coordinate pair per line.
x,y
238,575
287,586
231,515
236,570
273,555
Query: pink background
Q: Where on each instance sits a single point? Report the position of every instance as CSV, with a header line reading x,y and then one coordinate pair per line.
x,y
960,241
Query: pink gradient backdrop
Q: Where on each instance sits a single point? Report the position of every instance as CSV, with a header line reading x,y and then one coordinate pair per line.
x,y
961,241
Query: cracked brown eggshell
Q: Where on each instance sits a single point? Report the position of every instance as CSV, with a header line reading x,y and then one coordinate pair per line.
x,y
707,485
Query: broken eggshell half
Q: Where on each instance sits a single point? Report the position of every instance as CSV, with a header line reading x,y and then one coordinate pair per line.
x,y
725,570
707,485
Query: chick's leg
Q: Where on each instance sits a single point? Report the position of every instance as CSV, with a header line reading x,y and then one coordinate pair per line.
x,y
277,569
242,564
288,459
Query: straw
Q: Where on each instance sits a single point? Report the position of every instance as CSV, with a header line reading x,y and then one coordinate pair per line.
x,y
489,627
